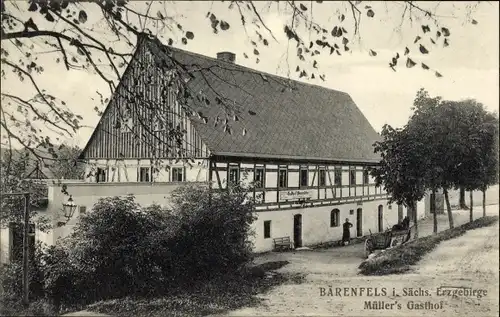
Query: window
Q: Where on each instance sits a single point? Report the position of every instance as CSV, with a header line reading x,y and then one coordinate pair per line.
x,y
352,177
304,177
234,175
338,177
100,175
267,229
258,177
178,174
322,177
144,174
366,177
83,209
335,218
283,177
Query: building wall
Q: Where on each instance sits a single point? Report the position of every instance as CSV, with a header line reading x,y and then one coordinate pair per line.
x,y
316,222
127,170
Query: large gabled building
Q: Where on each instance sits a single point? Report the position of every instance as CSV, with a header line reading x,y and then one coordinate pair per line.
x,y
306,146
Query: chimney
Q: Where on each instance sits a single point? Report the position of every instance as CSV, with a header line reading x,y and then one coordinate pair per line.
x,y
227,57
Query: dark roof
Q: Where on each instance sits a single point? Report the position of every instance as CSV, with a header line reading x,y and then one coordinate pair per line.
x,y
308,121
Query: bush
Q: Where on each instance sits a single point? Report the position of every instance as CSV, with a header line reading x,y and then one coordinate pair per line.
x,y
11,293
121,249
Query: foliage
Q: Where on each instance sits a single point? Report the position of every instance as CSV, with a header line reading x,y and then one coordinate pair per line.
x,y
17,171
13,168
215,297
121,249
401,258
401,170
71,33
445,144
11,293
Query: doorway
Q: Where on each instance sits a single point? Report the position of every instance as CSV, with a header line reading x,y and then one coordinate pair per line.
x,y
380,218
297,231
400,213
359,222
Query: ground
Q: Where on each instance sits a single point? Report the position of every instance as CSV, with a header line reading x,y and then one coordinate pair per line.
x,y
469,261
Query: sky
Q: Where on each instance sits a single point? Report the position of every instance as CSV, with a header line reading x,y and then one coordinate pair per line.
x,y
469,65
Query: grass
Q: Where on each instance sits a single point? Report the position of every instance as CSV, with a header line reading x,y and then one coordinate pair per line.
x,y
214,297
400,259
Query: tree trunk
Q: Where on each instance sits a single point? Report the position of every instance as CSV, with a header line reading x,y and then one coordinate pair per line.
x,y
415,218
484,202
471,213
461,202
448,207
434,212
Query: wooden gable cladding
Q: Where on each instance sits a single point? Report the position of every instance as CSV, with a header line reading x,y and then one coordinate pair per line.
x,y
143,119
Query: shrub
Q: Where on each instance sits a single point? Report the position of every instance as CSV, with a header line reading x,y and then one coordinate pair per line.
x,y
11,293
121,249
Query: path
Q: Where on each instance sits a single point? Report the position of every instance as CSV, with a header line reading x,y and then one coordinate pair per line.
x,y
469,261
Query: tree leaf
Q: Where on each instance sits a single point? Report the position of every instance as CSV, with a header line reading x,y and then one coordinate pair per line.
x,y
244,132
342,18
255,51
170,42
345,41
445,31
372,53
474,22
189,35
49,17
423,50
407,51
417,39
266,43
33,6
303,7
445,43
82,16
426,28
184,41
224,25
160,15
370,13
252,113
425,66
410,63
438,75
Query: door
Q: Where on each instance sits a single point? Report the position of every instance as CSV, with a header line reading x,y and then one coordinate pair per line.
x,y
359,222
297,231
380,218
400,213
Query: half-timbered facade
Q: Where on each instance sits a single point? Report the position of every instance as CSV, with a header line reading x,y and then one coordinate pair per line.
x,y
306,147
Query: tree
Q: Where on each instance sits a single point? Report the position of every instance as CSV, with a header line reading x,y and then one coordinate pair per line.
x,y
454,142
14,166
67,31
400,171
66,165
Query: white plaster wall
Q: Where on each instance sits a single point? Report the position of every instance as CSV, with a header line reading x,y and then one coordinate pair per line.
x,y
316,223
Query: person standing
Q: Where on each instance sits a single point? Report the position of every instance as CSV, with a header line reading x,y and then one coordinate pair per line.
x,y
346,236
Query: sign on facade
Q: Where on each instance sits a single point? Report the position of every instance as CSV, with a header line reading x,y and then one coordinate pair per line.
x,y
295,194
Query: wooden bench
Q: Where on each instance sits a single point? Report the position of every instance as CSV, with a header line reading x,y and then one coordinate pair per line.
x,y
282,243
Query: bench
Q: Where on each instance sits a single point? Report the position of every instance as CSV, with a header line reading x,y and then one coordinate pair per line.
x,y
282,243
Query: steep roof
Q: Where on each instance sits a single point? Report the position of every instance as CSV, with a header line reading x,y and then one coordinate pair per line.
x,y
307,121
